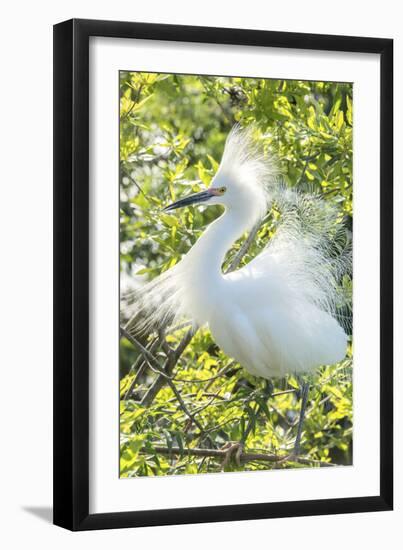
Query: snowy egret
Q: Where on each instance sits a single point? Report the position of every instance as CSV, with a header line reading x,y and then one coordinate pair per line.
x,y
277,314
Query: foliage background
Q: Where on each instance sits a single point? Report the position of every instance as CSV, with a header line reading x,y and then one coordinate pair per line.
x,y
172,134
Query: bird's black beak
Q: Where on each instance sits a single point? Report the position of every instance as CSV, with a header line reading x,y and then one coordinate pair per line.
x,y
191,199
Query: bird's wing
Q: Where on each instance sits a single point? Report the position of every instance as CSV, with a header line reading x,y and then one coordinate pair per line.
x,y
307,257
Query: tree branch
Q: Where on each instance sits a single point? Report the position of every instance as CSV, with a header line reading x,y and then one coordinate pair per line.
x,y
144,351
244,249
168,367
183,406
243,456
140,365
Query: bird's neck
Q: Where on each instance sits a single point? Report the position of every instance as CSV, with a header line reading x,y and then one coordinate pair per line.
x,y
208,254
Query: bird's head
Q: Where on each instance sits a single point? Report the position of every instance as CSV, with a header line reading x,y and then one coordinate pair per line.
x,y
242,181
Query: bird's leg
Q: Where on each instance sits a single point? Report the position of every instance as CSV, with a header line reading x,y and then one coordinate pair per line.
x,y
268,388
232,448
304,388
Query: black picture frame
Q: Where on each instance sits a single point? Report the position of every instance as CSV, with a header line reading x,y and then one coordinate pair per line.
x,y
71,274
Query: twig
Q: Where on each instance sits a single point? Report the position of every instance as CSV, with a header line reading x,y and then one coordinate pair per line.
x,y
168,367
217,427
184,407
284,392
149,357
244,248
134,101
126,173
219,374
141,365
145,352
210,402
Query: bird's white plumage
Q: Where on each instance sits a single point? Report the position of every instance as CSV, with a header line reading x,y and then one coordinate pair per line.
x,y
275,315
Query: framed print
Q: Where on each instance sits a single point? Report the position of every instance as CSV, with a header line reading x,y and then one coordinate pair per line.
x,y
223,274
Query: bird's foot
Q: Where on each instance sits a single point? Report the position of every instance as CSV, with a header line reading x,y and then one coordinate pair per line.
x,y
233,449
292,457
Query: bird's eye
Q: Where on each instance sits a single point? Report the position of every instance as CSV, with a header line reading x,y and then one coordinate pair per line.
x,y
222,190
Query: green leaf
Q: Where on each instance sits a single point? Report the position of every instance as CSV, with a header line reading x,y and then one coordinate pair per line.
x,y
349,114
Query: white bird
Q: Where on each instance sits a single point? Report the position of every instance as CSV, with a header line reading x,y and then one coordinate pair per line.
x,y
277,314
